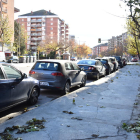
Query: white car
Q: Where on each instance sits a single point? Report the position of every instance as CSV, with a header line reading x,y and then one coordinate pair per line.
x,y
2,57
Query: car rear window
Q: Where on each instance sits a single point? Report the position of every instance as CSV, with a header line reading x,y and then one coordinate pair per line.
x,y
112,59
87,62
50,66
104,61
118,58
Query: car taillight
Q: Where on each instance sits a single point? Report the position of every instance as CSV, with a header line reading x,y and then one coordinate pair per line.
x,y
31,72
113,62
57,74
91,68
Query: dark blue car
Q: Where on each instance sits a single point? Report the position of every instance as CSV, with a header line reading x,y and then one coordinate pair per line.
x,y
16,87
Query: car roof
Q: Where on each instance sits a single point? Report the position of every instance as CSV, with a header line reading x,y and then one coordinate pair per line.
x,y
53,60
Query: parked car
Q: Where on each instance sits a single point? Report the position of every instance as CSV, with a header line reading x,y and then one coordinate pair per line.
x,y
124,59
16,87
115,63
134,59
106,61
93,68
98,58
73,59
58,74
120,61
13,59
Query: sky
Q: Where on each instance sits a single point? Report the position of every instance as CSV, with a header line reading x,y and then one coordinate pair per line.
x,y
88,19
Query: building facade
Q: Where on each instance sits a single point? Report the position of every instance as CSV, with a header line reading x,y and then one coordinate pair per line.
x,y
97,50
43,25
7,9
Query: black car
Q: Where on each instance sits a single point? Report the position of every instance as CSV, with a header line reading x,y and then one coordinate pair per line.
x,y
93,68
13,59
16,87
120,61
106,61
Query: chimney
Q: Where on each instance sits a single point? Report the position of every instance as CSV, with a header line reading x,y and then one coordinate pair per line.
x,y
49,10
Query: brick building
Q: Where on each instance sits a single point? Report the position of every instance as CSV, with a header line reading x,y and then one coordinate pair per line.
x,y
7,9
41,25
99,48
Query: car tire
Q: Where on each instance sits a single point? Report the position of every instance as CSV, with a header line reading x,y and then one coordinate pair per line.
x,y
97,76
66,89
33,96
109,71
84,79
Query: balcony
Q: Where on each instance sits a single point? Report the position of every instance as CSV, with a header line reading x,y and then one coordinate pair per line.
x,y
33,43
35,34
36,20
36,29
5,1
36,38
4,10
36,25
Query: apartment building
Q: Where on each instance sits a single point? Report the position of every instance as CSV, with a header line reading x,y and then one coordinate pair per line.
x,y
43,25
7,9
96,50
117,41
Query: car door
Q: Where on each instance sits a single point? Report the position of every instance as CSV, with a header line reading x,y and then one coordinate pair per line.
x,y
19,88
78,74
70,72
97,66
5,91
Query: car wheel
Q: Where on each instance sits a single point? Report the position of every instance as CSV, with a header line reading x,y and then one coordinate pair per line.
x,y
66,89
109,71
97,76
83,81
34,96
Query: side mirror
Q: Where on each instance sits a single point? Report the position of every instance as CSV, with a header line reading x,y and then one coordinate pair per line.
x,y
24,75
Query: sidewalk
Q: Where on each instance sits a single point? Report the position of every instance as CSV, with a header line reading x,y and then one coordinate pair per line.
x,y
100,109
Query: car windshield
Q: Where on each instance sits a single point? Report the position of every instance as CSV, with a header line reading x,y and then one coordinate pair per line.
x,y
112,59
50,66
118,58
104,61
87,62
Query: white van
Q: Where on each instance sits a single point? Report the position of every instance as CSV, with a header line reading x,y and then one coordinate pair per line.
x,y
2,57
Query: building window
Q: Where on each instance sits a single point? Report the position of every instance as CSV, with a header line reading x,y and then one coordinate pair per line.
x,y
51,32
43,22
51,28
22,19
51,18
51,23
51,37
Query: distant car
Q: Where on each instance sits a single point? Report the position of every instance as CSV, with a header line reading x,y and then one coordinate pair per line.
x,y
13,59
120,61
16,87
124,59
58,74
73,59
115,62
93,68
134,59
106,61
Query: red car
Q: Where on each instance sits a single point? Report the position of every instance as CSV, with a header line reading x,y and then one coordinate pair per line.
x,y
73,59
134,59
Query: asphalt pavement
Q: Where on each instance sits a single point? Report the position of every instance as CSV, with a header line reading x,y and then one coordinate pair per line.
x,y
96,111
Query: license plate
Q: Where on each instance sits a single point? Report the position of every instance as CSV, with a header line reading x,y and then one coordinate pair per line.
x,y
44,83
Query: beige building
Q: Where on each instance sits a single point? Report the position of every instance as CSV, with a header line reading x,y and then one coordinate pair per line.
x,y
7,9
41,25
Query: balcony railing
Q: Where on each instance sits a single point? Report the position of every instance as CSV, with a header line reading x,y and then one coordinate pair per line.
x,y
33,43
36,29
34,48
36,20
36,34
36,38
36,25
5,1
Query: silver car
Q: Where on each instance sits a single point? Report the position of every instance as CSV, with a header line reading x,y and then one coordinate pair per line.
x,y
58,74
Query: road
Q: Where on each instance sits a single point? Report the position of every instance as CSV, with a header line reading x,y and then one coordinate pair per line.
x,y
45,96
